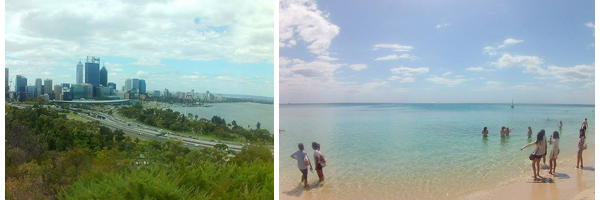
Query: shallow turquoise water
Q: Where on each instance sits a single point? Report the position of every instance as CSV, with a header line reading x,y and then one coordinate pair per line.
x,y
244,114
420,150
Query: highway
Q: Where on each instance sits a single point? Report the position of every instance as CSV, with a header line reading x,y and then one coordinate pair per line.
x,y
141,131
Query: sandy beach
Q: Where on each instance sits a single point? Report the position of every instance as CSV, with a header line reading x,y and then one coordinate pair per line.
x,y
568,183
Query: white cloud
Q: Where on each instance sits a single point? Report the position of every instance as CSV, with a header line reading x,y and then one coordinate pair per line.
x,y
592,26
447,73
577,73
389,57
394,47
477,69
326,58
508,60
395,57
448,82
302,20
407,71
591,86
407,80
358,67
442,25
235,31
526,87
402,79
491,50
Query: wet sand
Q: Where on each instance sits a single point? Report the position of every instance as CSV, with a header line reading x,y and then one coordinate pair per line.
x,y
568,183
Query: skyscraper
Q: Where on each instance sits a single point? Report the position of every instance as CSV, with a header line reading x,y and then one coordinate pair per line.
x,y
92,71
128,85
112,85
58,92
38,87
142,88
47,86
103,76
135,84
79,75
6,87
21,87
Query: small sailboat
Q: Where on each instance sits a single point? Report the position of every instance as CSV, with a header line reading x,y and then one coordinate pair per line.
x,y
512,105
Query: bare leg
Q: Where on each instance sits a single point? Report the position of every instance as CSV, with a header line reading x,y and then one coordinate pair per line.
x,y
533,168
550,171
581,158
544,159
538,168
321,176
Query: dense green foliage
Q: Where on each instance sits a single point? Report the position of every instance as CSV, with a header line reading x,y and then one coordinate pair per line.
x,y
179,122
51,157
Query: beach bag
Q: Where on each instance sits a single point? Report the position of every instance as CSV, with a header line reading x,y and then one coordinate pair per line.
x,y
532,156
322,160
584,146
306,161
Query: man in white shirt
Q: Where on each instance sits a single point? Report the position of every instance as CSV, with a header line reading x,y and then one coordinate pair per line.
x,y
302,158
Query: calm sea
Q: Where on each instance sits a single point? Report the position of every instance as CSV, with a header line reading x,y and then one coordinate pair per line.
x,y
419,150
244,114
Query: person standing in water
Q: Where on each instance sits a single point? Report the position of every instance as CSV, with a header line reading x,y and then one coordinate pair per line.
x,y
529,132
560,126
303,163
503,132
507,131
318,165
484,132
554,152
581,148
538,153
584,125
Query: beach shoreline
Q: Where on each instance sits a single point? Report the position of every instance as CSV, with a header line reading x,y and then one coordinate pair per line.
x,y
569,183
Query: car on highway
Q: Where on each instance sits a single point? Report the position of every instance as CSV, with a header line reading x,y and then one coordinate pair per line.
x,y
196,145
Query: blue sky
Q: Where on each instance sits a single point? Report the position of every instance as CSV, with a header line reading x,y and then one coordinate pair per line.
x,y
437,51
223,47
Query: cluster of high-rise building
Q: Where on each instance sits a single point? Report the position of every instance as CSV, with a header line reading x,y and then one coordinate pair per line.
x,y
91,82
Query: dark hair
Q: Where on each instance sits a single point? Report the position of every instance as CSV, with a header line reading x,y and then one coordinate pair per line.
x,y
315,145
503,128
585,118
540,136
301,146
555,135
485,128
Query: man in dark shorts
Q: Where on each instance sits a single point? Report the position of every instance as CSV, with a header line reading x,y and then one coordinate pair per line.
x,y
302,159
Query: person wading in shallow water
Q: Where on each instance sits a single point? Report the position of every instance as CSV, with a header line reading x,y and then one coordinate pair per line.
x,y
484,132
319,164
303,163
537,154
581,147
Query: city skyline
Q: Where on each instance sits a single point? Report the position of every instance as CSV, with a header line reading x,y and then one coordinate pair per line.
x,y
216,46
426,52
